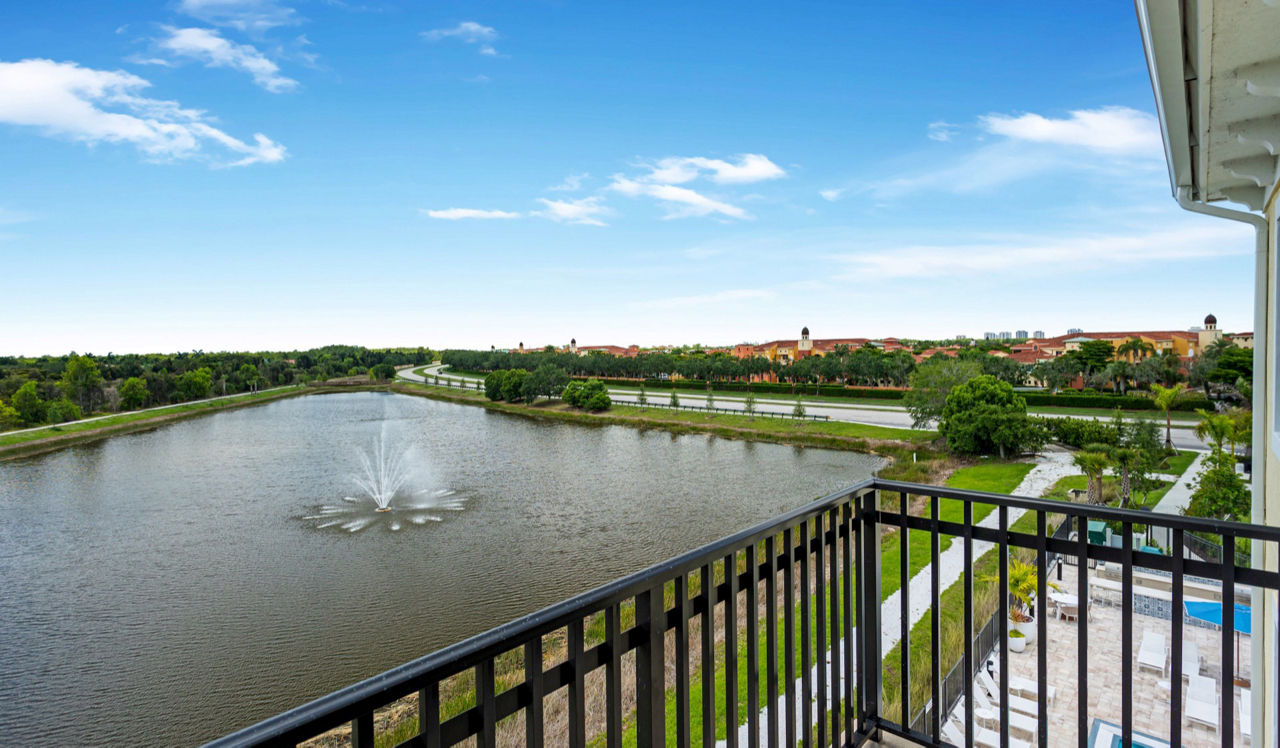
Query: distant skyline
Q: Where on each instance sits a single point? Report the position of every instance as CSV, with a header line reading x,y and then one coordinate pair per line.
x,y
276,175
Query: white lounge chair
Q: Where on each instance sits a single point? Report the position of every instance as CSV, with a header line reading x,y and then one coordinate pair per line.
x,y
1153,654
1020,722
1246,715
1202,702
1190,659
1016,703
1030,688
982,737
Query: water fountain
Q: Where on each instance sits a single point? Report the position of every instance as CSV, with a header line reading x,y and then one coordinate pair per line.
x,y
392,494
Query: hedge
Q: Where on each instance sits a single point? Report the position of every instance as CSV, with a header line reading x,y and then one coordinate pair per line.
x,y
1128,402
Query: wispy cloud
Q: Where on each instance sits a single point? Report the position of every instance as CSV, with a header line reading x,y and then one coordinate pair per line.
x,y
9,217
467,32
718,298
680,202
942,131
571,183
252,16
63,99
750,167
1114,129
831,195
586,211
1083,254
458,214
210,48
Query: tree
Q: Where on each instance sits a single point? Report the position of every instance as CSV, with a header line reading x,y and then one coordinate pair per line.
x,y
1232,364
675,400
61,411
1056,373
642,398
1123,460
1218,492
195,384
26,401
931,382
1092,462
134,393
249,376
1217,428
749,404
598,402
493,385
711,398
80,381
984,416
1139,348
548,380
9,418
513,384
379,372
1166,398
1119,372
1096,354
798,411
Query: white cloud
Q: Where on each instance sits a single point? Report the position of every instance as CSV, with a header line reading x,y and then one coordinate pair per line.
x,y
941,131
712,299
681,202
585,211
482,78
253,16
1116,129
209,47
1086,254
457,214
831,195
467,32
751,167
97,106
571,183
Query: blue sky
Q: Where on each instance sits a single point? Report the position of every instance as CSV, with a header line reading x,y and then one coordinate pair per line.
x,y
272,174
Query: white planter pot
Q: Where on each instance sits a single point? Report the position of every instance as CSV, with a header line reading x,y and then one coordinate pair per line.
x,y
1028,629
1017,643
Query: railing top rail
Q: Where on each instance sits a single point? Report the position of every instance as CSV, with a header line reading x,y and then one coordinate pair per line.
x,y
404,679
1092,511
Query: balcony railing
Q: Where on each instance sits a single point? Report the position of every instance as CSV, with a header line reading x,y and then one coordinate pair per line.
x,y
754,628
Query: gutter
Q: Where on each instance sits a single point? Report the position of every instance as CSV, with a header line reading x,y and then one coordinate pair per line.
x,y
1260,387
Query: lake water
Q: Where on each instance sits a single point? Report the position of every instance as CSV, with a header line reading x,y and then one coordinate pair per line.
x,y
166,587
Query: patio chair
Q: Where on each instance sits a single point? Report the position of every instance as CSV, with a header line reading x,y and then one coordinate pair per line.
x,y
1153,654
1246,715
982,736
1190,659
1016,703
1019,722
1202,702
1030,688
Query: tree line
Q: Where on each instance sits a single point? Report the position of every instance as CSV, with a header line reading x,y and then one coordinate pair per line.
x,y
56,389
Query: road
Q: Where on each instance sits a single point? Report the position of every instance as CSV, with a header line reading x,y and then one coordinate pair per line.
x,y
871,415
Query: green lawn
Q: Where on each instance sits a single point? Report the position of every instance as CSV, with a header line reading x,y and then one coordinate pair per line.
x,y
777,425
1110,491
74,427
1178,464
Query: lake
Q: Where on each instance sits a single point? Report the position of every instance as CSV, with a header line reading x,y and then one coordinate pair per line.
x,y
170,586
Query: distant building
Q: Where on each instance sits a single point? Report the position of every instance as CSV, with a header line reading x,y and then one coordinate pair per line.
x,y
1006,335
1021,334
989,335
1075,331
1038,334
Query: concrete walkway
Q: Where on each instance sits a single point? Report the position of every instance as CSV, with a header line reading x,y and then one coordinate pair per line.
x,y
1050,468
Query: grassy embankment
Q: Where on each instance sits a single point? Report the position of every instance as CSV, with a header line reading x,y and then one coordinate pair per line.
x,y
76,432
1181,419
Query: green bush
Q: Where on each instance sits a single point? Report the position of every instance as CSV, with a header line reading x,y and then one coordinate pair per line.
x,y
513,384
62,410
572,393
597,402
1077,432
493,385
985,416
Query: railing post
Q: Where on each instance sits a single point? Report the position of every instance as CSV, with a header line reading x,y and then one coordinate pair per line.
x,y
868,626
650,692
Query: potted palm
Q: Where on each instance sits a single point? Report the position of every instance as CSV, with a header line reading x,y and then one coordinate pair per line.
x,y
1017,640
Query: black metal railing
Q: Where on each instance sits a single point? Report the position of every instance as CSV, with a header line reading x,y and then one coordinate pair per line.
x,y
807,587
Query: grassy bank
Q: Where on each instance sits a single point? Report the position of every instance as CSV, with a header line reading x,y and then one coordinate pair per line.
x,y
62,435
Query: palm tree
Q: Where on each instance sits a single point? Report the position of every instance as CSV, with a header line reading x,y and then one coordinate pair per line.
x,y
1120,371
1217,428
1165,399
1217,348
1124,459
1092,464
1136,346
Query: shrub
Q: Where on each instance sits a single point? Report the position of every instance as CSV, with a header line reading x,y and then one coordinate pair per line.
x,y
598,402
62,410
572,393
1077,432
384,372
513,384
493,385
985,416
